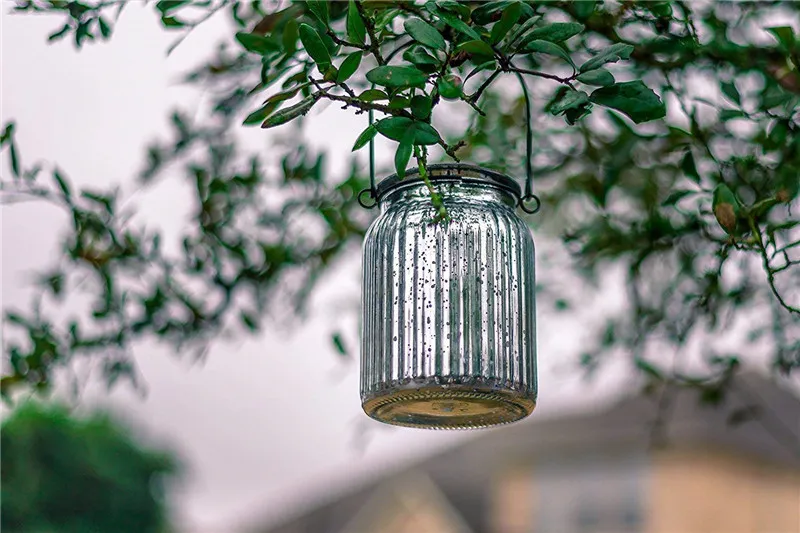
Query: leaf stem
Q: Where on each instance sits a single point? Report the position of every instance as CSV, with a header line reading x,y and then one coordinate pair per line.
x,y
421,155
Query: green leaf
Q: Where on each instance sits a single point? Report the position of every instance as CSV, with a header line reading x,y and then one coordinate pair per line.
x,y
106,201
643,365
394,128
510,17
486,65
258,116
612,54
421,107
450,87
271,103
725,208
12,152
315,48
62,184
632,98
660,9
424,33
599,77
320,9
784,35
425,134
372,95
105,29
573,104
249,321
689,168
676,196
584,8
8,134
290,113
571,99
451,20
730,114
170,22
521,31
556,32
165,6
258,44
453,6
338,343
356,31
366,136
59,34
730,90
420,57
392,76
290,35
55,282
484,13
349,67
384,19
403,154
546,47
774,96
287,94
399,102
476,47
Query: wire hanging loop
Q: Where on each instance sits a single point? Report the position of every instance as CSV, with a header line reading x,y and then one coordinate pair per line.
x,y
372,190
363,202
528,202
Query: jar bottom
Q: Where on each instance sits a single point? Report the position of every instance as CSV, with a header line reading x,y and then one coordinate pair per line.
x,y
452,407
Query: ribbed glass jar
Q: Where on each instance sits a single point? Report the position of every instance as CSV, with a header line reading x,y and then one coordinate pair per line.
x,y
449,315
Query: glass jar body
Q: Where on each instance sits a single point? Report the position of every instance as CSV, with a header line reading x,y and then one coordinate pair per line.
x,y
449,327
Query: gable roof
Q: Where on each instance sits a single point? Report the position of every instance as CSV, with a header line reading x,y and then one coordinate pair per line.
x,y
464,472
413,494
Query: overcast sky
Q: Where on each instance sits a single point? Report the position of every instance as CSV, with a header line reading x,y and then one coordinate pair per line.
x,y
265,424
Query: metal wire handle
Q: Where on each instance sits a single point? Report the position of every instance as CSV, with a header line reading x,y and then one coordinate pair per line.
x,y
373,191
522,203
528,196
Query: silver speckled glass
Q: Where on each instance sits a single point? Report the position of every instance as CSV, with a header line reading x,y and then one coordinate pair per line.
x,y
449,314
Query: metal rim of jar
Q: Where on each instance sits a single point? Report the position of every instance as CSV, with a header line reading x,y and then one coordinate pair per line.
x,y
463,172
460,172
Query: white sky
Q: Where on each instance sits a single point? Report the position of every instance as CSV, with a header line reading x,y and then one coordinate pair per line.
x,y
264,424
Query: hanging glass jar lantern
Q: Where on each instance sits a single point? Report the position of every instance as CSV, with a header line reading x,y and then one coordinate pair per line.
x,y
449,311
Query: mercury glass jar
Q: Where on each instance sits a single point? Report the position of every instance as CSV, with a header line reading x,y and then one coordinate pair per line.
x,y
449,314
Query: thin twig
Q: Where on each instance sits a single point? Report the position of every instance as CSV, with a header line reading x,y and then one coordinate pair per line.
x,y
770,273
784,248
477,94
565,81
474,106
342,42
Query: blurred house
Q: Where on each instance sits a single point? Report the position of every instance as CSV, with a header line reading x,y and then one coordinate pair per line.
x,y
661,464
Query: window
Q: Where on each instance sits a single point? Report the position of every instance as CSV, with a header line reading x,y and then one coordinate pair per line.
x,y
582,494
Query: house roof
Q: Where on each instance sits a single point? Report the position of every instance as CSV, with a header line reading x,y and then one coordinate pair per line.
x,y
769,430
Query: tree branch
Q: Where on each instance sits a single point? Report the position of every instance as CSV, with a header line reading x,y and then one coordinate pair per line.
x,y
374,47
362,106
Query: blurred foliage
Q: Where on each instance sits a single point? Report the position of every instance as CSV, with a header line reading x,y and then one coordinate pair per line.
x,y
695,205
70,475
